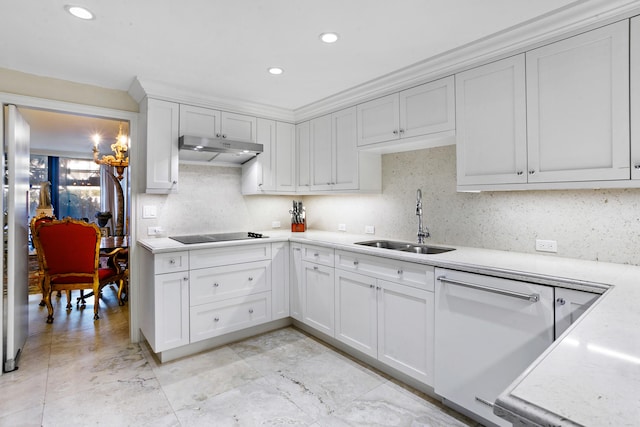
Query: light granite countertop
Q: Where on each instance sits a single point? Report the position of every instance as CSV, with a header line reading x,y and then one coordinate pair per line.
x,y
590,376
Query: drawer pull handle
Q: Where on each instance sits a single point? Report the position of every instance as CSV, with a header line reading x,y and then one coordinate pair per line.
x,y
355,262
251,311
186,279
315,267
172,261
216,319
215,285
316,254
400,272
371,286
519,295
250,279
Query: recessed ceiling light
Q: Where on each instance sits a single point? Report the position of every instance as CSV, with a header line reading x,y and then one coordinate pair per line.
x,y
79,12
276,71
329,37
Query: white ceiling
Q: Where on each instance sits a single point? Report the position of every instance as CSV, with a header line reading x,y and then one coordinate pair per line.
x,y
222,48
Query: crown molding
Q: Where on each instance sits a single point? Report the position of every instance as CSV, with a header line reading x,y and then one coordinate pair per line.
x,y
142,87
564,23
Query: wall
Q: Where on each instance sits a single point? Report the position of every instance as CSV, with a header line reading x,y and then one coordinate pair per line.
x,y
588,224
209,200
63,90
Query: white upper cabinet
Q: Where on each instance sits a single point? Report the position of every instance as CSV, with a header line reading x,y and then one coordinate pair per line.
x,y
422,110
635,98
578,107
564,125
345,153
198,121
303,157
491,146
238,127
160,126
428,108
379,120
205,122
336,163
321,156
285,157
273,170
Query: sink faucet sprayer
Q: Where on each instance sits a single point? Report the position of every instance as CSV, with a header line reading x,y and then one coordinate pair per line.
x,y
423,232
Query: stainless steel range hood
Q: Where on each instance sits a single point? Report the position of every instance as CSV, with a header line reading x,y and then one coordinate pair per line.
x,y
217,150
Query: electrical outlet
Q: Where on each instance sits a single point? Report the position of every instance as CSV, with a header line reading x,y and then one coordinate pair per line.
x,y
342,227
275,224
369,229
154,231
546,246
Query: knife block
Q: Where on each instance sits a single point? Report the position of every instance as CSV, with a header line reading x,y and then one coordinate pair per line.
x,y
300,227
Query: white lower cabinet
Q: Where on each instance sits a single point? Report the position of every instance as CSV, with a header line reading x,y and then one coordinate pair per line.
x,y
386,320
189,296
217,318
295,280
164,299
318,297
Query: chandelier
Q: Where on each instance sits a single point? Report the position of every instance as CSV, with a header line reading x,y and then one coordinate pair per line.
x,y
119,160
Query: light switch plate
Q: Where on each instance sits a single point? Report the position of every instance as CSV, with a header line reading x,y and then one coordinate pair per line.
x,y
369,229
275,224
149,211
342,227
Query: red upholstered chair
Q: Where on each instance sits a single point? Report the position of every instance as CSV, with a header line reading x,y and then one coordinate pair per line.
x,y
70,255
35,223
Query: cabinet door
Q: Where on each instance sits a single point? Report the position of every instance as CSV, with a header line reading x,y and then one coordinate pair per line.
x,y
356,308
295,282
162,146
198,121
578,107
280,294
285,157
238,127
491,144
379,120
635,98
265,161
318,297
303,156
428,108
406,329
321,157
344,150
171,302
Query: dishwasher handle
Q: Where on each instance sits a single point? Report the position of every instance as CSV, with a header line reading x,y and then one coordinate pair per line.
x,y
528,297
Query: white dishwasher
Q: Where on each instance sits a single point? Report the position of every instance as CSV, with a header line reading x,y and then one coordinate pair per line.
x,y
487,331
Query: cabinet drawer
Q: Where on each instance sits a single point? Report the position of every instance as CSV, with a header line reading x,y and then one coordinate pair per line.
x,y
204,258
219,283
402,272
171,262
210,320
318,255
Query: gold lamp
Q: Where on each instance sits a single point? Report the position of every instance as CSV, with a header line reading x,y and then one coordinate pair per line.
x,y
120,160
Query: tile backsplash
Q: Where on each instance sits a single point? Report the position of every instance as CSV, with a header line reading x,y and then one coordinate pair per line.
x,y
588,224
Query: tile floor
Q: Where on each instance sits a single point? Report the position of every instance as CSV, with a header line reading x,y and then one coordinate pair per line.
x,y
77,372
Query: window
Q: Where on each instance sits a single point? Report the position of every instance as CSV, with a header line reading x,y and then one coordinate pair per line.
x,y
75,185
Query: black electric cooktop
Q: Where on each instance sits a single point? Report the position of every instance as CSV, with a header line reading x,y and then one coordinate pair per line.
x,y
218,237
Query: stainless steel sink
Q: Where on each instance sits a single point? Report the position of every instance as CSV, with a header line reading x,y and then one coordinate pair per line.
x,y
405,247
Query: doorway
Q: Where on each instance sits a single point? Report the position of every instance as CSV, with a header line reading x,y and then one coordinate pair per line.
x,y
63,144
